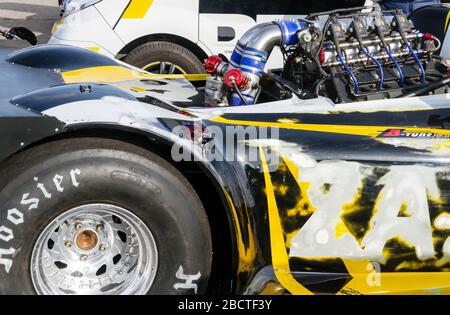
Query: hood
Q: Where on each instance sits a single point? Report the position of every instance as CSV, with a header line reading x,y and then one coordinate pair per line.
x,y
49,75
17,79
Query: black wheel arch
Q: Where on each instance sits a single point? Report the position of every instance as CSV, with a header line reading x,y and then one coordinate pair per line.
x,y
214,197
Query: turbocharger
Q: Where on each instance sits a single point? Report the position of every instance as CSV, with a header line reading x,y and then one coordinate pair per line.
x,y
243,72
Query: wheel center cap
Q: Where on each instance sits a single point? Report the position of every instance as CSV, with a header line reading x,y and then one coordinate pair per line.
x,y
86,240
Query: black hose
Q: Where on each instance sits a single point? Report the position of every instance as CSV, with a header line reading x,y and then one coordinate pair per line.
x,y
238,91
318,85
428,88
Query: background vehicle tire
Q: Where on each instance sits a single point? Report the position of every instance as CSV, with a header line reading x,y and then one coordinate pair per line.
x,y
164,58
104,193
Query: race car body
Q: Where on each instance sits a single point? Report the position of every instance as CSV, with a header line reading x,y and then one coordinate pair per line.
x,y
116,181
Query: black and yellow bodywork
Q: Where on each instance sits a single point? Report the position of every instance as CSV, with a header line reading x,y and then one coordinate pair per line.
x,y
337,199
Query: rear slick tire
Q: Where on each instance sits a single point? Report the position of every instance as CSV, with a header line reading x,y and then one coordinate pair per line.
x,y
78,212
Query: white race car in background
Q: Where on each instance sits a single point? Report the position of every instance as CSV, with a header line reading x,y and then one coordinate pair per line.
x,y
174,36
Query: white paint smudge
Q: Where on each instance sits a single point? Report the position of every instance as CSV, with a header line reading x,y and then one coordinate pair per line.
x,y
442,222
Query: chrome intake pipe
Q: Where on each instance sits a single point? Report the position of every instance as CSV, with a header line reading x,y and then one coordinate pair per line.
x,y
238,52
253,49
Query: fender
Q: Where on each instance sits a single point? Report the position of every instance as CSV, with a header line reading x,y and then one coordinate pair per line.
x,y
77,112
229,187
20,128
63,58
80,98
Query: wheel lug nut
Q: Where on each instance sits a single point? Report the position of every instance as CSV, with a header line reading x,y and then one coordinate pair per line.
x,y
100,228
68,244
103,247
78,226
83,257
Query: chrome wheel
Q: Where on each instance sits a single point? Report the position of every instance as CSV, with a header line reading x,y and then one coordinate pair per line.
x,y
163,67
94,249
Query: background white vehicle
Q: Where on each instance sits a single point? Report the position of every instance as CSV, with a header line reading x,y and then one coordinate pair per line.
x,y
174,36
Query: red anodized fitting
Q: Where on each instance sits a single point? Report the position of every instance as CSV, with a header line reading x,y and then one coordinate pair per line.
x,y
428,36
239,77
322,55
212,64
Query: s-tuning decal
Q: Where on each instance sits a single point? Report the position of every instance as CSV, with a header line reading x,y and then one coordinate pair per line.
x,y
402,133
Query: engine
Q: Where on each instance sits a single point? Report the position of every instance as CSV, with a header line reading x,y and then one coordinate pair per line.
x,y
346,55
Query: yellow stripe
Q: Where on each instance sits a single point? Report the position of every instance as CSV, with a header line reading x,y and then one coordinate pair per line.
x,y
195,77
56,25
95,49
113,74
246,255
280,259
357,267
367,280
447,20
401,283
137,9
272,288
370,131
103,74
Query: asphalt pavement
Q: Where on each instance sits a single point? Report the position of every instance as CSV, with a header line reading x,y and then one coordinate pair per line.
x,y
37,15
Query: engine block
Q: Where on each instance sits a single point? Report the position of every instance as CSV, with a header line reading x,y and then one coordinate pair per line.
x,y
346,55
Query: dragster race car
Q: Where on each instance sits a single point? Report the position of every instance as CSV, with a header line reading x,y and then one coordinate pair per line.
x,y
329,176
